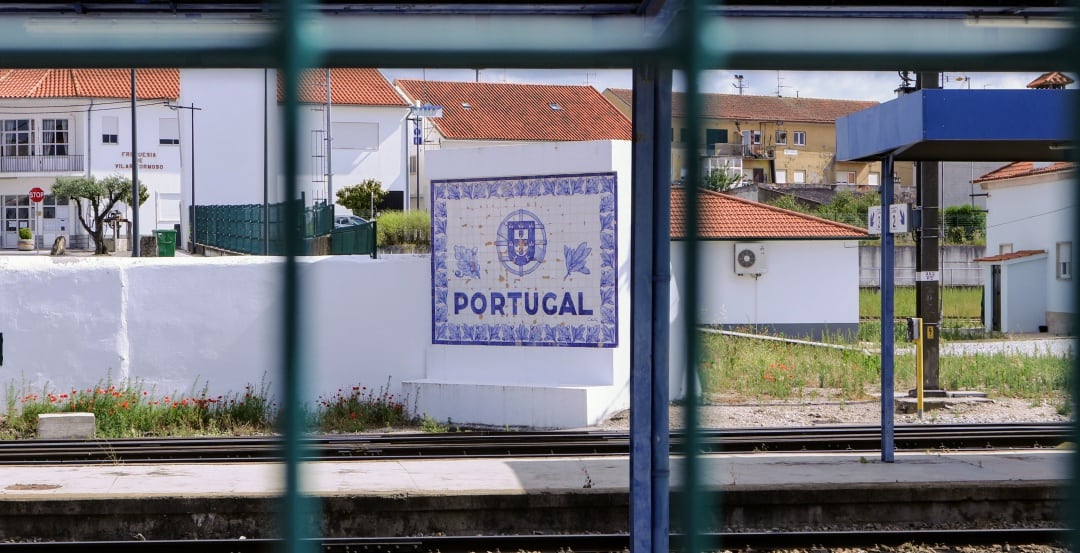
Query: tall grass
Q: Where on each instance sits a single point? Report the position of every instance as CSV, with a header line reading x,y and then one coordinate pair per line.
x,y
404,227
759,369
957,302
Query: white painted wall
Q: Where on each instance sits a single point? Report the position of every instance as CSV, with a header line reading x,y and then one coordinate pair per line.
x,y
387,162
178,323
1034,213
529,380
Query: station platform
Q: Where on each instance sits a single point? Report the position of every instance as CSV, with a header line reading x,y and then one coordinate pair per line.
x,y
534,495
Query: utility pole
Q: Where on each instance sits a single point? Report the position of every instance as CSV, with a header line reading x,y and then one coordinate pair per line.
x,y
927,250
135,250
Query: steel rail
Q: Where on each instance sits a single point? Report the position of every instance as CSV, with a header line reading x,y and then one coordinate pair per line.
x,y
579,543
526,444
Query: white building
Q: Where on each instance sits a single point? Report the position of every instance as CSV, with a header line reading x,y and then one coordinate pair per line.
x,y
237,128
71,122
1029,232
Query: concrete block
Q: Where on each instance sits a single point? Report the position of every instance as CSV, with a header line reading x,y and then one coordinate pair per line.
x,y
65,426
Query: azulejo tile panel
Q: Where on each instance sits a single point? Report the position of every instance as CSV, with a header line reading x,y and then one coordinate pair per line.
x,y
525,261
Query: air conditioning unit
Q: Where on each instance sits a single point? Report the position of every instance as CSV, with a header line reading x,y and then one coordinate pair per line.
x,y
750,258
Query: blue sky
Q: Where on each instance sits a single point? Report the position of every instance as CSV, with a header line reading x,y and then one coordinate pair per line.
x,y
849,85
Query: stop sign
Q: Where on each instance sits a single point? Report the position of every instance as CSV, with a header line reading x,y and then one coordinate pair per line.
x,y
36,194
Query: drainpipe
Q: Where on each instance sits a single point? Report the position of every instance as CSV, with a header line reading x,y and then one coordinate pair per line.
x,y
89,139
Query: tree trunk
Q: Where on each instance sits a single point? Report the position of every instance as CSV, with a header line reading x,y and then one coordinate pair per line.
x,y
99,240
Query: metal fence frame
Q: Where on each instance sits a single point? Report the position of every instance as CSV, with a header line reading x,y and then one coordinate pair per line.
x,y
691,35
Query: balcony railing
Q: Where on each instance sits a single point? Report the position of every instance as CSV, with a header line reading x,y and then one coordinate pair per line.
x,y
41,164
754,151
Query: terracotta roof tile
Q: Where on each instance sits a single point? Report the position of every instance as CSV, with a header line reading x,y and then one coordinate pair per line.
x,y
505,111
1008,256
89,83
761,108
1024,169
1053,79
356,86
724,217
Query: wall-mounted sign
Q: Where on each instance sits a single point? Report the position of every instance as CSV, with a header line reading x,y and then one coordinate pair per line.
x,y
525,261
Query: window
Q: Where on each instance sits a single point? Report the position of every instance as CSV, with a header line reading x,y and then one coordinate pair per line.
x,y
781,138
1064,260
54,137
355,136
110,130
684,135
800,138
17,138
715,136
1005,248
800,177
845,177
781,176
874,179
168,131
751,137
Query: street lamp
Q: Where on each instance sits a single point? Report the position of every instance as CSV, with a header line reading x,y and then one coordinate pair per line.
x,y
191,223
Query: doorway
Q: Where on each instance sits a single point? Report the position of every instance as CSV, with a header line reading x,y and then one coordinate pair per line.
x,y
995,298
15,215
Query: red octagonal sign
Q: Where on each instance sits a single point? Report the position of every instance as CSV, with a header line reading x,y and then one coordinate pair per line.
x,y
36,194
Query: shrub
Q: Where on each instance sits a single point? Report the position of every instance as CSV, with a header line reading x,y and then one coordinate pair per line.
x,y
362,198
25,234
398,227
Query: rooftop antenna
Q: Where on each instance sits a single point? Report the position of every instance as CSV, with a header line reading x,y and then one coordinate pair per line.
x,y
778,85
740,84
588,77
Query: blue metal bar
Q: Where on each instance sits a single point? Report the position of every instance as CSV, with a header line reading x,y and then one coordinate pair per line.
x,y
642,228
887,261
661,335
297,509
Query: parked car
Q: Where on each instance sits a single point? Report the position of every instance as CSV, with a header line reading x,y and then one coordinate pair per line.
x,y
348,221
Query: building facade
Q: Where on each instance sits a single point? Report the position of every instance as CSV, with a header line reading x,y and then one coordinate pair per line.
x,y
72,122
1028,271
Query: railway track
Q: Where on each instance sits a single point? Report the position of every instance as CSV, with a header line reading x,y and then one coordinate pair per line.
x,y
528,444
585,543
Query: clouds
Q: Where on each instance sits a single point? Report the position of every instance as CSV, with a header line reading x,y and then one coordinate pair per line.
x,y
842,85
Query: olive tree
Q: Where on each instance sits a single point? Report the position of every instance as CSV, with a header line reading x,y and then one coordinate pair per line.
x,y
100,197
721,179
362,198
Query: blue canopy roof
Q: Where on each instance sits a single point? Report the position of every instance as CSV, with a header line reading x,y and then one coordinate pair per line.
x,y
962,125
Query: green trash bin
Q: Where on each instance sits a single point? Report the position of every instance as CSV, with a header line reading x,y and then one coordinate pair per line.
x,y
166,242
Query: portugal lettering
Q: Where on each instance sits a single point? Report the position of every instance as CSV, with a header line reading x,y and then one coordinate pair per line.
x,y
514,303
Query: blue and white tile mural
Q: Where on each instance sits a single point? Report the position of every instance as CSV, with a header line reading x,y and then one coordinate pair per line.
x,y
525,261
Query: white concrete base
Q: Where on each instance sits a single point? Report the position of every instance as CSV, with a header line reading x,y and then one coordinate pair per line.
x,y
510,405
66,426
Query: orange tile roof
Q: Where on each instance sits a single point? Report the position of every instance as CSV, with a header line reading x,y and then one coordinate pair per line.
x,y
1008,256
89,83
724,217
761,108
357,86
505,111
1024,169
1053,79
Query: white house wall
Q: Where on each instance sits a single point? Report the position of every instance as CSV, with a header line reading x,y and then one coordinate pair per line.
x,y
1023,306
384,162
1035,213
553,386
184,323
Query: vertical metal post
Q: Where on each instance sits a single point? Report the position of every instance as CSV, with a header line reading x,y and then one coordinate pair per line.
x,y
135,250
194,209
887,279
296,508
266,164
329,147
927,250
694,504
650,224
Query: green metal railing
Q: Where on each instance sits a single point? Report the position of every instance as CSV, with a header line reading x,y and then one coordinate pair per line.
x,y
355,240
691,35
255,229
